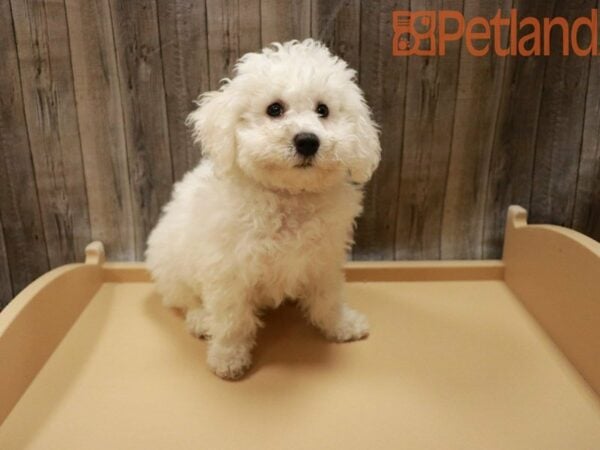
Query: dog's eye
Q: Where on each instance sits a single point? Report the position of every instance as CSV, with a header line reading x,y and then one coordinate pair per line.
x,y
322,110
275,110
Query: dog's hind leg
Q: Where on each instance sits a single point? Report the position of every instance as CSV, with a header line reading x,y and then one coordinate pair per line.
x,y
176,294
197,322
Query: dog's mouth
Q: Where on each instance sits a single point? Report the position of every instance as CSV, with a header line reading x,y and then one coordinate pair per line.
x,y
305,164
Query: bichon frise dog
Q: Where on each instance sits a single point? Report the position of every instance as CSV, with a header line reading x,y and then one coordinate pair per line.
x,y
269,212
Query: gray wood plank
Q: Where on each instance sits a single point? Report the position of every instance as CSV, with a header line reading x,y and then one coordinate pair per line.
x,y
478,100
6,292
233,29
383,79
23,232
284,20
102,132
184,48
587,202
47,82
337,24
135,27
431,100
510,179
560,129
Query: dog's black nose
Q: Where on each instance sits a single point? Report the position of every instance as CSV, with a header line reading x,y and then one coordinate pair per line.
x,y
306,144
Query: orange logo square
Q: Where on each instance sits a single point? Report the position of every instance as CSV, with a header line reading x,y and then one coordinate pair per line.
x,y
412,30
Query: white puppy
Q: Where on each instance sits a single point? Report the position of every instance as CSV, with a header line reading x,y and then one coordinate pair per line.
x,y
269,212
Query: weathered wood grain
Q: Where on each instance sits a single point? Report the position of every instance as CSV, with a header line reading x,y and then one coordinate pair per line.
x,y
383,79
6,292
135,27
337,24
560,129
184,48
101,125
587,201
23,232
430,103
512,161
50,111
93,97
477,103
233,29
284,20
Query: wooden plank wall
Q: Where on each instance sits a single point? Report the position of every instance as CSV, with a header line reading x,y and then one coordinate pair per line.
x,y
93,97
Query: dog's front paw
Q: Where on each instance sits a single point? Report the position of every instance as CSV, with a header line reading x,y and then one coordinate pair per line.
x,y
229,361
349,326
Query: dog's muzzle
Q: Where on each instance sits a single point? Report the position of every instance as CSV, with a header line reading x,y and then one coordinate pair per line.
x,y
306,144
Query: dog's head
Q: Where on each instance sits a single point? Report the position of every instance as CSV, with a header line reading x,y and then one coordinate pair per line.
x,y
291,118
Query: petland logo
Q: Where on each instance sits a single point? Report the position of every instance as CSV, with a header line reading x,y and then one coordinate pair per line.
x,y
428,33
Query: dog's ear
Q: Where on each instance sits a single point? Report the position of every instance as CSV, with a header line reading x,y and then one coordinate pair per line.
x,y
367,151
213,126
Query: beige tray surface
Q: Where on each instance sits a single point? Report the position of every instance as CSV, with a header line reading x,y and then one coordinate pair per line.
x,y
454,361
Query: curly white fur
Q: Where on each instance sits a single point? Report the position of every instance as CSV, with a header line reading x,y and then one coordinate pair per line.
x,y
251,226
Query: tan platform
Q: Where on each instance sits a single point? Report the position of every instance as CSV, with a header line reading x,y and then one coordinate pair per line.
x,y
462,355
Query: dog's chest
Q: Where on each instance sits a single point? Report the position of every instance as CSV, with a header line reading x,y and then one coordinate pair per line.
x,y
294,232
284,242
298,242
300,227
